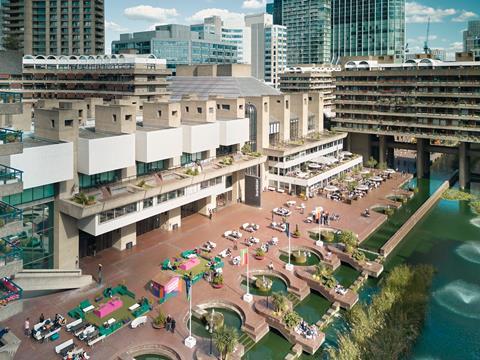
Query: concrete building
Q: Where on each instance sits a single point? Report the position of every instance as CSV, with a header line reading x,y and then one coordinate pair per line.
x,y
436,54
312,78
105,76
269,48
181,44
361,28
470,35
309,30
302,155
54,27
386,106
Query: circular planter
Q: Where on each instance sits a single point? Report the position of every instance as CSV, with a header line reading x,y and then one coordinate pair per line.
x,y
295,236
258,257
299,257
158,327
217,286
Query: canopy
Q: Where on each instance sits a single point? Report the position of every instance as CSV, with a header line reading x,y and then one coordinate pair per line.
x,y
362,187
331,188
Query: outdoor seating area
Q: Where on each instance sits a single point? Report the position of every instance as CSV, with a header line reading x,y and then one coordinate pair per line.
x,y
250,227
339,289
307,331
48,329
282,227
68,350
252,241
233,235
281,211
190,262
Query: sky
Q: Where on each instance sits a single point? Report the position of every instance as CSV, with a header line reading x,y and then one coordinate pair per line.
x,y
448,17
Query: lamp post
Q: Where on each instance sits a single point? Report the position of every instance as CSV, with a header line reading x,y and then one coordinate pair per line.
x,y
210,327
289,266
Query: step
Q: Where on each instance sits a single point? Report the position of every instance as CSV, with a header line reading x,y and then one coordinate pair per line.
x,y
33,280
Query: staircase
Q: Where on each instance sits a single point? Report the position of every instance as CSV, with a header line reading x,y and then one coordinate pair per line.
x,y
51,280
246,341
294,299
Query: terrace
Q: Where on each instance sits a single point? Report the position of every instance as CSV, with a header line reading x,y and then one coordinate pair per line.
x,y
304,142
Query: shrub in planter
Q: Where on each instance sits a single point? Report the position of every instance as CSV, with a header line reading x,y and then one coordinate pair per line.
x,y
291,319
160,320
327,236
358,255
217,281
389,211
192,172
259,254
82,199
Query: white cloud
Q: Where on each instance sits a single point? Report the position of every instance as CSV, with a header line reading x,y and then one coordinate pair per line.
x,y
229,18
456,46
254,4
465,16
113,26
151,14
418,13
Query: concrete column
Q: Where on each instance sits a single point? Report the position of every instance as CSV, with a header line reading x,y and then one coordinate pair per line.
x,y
127,234
130,172
212,153
423,159
66,241
206,204
174,162
382,149
174,217
463,165
238,186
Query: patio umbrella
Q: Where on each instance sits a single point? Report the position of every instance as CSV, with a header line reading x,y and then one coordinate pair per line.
x,y
331,188
362,187
389,171
376,178
349,180
365,172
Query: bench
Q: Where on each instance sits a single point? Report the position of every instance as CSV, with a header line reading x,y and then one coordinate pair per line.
x,y
110,321
67,345
94,341
142,320
134,307
73,324
88,308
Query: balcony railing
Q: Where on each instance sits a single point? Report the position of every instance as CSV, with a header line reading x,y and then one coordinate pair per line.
x,y
9,252
10,97
9,214
8,136
9,291
10,175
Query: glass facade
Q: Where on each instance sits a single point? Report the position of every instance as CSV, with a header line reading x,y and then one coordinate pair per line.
x,y
148,168
308,30
89,181
36,237
368,28
188,158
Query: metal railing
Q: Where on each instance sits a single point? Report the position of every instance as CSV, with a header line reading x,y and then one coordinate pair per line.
x,y
9,175
9,252
9,214
8,136
13,291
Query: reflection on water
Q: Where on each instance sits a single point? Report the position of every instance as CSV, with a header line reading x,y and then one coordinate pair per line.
x,y
470,252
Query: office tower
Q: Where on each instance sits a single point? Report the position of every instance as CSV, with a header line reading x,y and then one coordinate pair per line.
x,y
269,8
308,25
269,48
54,27
180,44
470,35
365,28
213,28
275,9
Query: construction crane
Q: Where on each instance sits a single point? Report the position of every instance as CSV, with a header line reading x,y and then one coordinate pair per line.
x,y
426,48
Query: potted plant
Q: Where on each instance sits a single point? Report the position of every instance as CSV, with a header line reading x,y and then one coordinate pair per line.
x,y
279,302
217,281
225,339
291,319
296,233
82,199
160,320
259,254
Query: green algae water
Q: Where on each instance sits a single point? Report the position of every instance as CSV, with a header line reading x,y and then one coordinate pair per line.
x,y
448,237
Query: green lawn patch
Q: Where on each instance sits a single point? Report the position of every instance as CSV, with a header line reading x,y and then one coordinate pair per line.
x,y
120,314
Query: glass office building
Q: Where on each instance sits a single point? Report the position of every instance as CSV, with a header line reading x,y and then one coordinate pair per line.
x,y
368,28
308,25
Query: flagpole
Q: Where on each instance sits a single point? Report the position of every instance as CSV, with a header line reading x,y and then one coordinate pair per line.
x,y
248,280
190,305
247,297
190,341
289,266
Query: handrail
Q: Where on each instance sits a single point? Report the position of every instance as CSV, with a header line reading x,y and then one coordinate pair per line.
x,y
13,294
10,136
9,213
8,173
9,252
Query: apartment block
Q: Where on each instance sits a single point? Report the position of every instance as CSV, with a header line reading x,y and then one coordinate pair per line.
x,y
368,28
52,27
105,76
437,103
312,78
269,48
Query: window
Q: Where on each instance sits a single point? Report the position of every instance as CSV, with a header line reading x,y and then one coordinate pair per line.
x,y
225,107
159,113
128,117
265,106
174,113
69,123
114,118
52,123
187,109
199,110
286,104
147,203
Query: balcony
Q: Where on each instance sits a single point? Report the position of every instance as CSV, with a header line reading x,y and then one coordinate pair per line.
x,y
10,219
312,139
10,181
137,189
11,258
10,142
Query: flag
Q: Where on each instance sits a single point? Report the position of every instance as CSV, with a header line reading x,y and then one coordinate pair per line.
x,y
243,257
287,228
188,286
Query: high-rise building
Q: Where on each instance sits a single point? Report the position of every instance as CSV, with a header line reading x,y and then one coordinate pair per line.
x,y
308,25
469,35
54,27
180,44
2,25
368,28
269,48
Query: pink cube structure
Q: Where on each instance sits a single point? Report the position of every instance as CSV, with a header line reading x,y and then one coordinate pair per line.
x,y
107,308
191,263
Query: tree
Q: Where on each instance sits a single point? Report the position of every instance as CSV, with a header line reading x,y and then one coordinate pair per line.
x,y
371,163
11,43
279,302
225,339
382,166
348,238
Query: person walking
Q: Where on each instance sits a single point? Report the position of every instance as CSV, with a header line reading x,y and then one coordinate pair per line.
x,y
27,327
174,323
168,323
100,275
